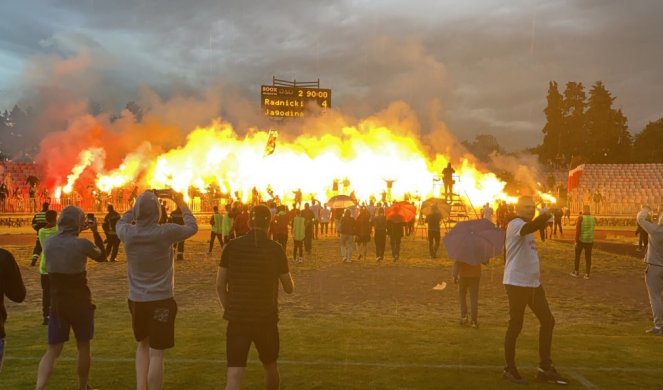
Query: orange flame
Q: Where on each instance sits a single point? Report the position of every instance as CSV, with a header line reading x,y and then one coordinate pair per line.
x,y
367,156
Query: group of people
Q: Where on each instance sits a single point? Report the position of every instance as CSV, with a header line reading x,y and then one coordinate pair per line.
x,y
12,198
251,268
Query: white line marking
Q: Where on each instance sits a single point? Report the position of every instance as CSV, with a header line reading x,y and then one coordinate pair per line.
x,y
583,381
575,371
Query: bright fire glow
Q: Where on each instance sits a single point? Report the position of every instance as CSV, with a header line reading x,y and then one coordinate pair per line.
x,y
366,157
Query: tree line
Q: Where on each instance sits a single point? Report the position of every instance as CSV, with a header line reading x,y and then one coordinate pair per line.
x,y
585,128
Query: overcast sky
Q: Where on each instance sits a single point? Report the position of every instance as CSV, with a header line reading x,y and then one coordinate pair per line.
x,y
487,62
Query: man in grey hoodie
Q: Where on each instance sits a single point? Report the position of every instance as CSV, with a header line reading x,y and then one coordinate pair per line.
x,y
71,299
654,270
148,247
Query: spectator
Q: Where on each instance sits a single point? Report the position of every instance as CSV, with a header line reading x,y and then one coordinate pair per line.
x,y
177,217
654,270
247,285
227,225
395,231
380,229
38,222
487,212
46,232
309,221
148,246
643,236
71,300
347,232
523,287
216,231
468,276
448,181
11,286
108,226
584,241
241,221
362,232
280,225
325,215
558,214
433,221
32,194
298,235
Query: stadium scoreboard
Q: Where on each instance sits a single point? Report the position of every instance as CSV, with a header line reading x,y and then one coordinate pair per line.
x,y
292,102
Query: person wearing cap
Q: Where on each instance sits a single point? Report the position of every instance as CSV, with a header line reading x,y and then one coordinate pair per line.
x,y
247,284
654,270
148,247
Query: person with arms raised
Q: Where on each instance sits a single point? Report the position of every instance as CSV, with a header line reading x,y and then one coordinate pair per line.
x,y
148,246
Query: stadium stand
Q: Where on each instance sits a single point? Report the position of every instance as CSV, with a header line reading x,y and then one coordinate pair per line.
x,y
624,188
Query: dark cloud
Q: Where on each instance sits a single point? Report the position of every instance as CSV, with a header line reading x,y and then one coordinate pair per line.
x,y
488,62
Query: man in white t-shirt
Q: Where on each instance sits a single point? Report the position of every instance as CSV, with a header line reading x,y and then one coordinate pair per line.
x,y
523,288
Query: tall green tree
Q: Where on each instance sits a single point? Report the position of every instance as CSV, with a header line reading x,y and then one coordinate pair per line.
x,y
609,139
575,137
553,131
648,143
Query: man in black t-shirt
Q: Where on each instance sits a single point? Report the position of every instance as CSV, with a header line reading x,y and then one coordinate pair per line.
x,y
247,285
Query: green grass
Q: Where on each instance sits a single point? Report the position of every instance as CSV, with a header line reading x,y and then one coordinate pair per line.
x,y
367,326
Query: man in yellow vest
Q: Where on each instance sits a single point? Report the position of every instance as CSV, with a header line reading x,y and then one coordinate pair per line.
x,y
584,240
217,230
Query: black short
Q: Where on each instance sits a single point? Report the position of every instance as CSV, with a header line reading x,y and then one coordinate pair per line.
x,y
239,337
155,320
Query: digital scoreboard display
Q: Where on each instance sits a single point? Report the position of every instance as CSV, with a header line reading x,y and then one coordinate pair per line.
x,y
291,102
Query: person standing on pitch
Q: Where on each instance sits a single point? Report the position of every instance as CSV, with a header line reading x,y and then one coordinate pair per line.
x,y
523,288
347,231
108,226
216,233
433,221
380,229
654,270
71,300
11,285
38,222
46,232
148,246
247,285
584,241
298,236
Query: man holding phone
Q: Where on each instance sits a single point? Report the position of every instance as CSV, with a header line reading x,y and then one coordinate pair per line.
x,y
71,300
148,247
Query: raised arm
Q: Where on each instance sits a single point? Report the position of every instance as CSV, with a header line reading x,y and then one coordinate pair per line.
x,y
647,226
98,253
534,225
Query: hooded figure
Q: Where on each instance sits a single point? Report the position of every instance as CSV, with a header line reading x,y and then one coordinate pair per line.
x,y
71,300
148,246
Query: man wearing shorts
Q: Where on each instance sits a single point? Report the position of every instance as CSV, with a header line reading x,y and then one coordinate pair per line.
x,y
71,300
247,284
148,247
